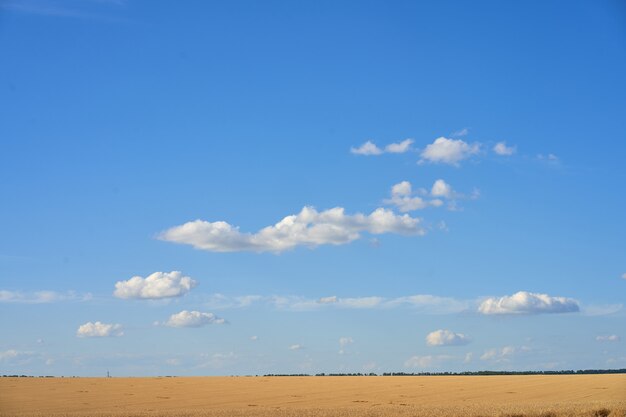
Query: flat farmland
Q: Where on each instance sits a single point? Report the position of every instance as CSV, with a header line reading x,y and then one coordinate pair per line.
x,y
547,396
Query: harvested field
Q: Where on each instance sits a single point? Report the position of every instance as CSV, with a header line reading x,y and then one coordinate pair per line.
x,y
545,396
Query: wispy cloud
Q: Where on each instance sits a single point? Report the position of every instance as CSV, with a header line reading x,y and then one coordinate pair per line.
x,y
91,10
192,319
38,297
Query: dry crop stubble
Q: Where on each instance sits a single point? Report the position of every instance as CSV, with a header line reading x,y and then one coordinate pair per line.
x,y
529,396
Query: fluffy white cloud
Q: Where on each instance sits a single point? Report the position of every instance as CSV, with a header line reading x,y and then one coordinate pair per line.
x,y
370,148
296,347
446,338
501,149
441,189
524,302
402,196
448,151
400,147
99,329
307,228
155,286
609,338
40,297
193,319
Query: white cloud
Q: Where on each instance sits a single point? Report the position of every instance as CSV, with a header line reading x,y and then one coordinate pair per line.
x,y
502,354
400,147
99,329
608,338
368,148
254,338
500,148
448,151
446,338
328,300
468,357
427,361
192,319
441,189
402,196
40,297
154,286
307,228
524,302
296,347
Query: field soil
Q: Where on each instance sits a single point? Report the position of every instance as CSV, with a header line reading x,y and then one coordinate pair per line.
x,y
545,396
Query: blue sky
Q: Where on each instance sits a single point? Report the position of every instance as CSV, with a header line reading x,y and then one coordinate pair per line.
x,y
480,227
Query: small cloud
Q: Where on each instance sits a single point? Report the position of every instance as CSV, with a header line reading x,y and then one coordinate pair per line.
x,y
448,151
193,319
608,338
427,361
155,286
343,343
524,302
500,148
502,354
296,347
468,357
254,338
400,147
368,148
550,158
446,338
99,329
405,200
41,297
462,132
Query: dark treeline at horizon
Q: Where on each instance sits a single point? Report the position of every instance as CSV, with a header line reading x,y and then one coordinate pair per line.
x,y
466,373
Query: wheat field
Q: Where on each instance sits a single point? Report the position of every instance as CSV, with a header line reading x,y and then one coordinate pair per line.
x,y
416,396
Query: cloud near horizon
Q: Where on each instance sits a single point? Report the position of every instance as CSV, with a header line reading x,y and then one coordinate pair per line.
x,y
524,302
39,297
308,228
155,286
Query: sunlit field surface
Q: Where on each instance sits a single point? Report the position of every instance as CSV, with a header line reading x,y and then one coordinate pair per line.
x,y
562,395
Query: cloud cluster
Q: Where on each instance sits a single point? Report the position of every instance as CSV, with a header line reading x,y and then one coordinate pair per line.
x,y
446,338
502,354
154,286
369,148
99,329
524,302
406,199
192,319
448,151
307,228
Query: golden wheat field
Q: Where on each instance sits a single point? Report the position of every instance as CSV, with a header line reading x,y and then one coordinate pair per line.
x,y
547,396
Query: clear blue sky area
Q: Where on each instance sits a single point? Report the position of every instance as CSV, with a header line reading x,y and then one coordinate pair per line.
x,y
454,172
